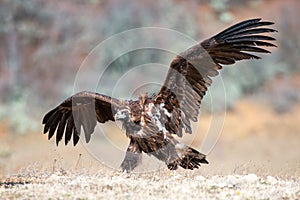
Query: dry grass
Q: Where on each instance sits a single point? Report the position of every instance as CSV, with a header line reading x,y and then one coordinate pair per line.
x,y
158,185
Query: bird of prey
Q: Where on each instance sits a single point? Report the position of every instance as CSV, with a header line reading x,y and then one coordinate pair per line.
x,y
151,122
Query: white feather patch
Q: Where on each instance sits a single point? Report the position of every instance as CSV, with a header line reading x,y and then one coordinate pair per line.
x,y
140,133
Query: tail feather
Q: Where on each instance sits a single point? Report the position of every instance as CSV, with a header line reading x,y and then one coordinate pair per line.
x,y
188,158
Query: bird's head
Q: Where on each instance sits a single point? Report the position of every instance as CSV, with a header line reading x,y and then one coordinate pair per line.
x,y
123,114
129,114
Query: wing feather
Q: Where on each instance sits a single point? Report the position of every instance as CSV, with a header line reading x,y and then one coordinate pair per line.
x,y
69,129
61,128
75,136
53,124
83,109
190,72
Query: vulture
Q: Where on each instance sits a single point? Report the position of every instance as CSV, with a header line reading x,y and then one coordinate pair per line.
x,y
152,122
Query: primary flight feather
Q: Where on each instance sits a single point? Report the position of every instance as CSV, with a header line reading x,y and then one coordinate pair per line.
x,y
151,122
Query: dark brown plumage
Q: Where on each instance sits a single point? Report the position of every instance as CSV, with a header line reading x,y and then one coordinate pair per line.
x,y
150,122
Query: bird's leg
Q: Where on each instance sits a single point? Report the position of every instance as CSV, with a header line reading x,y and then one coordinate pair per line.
x,y
133,156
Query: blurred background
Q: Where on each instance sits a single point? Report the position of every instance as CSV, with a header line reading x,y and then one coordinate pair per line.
x,y
43,43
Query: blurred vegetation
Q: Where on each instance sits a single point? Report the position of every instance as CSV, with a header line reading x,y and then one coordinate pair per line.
x,y
44,42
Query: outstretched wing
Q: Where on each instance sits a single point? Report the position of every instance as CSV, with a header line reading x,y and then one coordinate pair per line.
x,y
83,109
189,74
